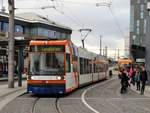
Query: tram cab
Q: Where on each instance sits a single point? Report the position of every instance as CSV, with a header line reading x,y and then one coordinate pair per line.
x,y
50,67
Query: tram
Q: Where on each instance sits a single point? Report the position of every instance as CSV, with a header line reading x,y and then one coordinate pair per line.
x,y
59,67
124,62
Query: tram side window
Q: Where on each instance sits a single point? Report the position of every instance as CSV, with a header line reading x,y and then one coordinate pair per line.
x,y
68,66
94,66
90,66
85,69
102,67
81,65
97,67
75,59
86,66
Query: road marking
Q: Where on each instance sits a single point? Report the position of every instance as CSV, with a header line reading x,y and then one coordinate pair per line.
x,y
107,98
129,98
86,104
85,91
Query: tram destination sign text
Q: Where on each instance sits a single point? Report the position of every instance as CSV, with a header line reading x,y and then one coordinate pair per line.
x,y
47,48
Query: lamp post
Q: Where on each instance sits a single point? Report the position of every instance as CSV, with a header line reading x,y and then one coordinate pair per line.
x,y
100,47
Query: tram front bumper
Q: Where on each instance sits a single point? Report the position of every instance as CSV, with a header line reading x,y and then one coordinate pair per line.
x,y
46,89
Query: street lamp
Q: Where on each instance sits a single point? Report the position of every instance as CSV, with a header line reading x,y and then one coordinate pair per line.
x,y
104,3
85,35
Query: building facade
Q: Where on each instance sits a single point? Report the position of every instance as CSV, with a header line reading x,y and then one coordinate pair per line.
x,y
138,25
140,32
27,27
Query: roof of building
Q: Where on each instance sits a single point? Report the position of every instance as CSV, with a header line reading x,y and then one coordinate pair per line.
x,y
35,18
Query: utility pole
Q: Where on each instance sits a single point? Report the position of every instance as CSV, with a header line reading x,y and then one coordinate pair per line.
x,y
106,51
11,44
118,54
100,48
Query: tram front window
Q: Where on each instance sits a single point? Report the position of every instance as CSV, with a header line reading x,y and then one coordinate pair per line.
x,y
46,64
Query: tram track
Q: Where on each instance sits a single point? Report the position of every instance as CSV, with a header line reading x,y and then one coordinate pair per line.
x,y
57,106
55,102
34,104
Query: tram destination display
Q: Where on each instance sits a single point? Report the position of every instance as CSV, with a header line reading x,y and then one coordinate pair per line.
x,y
47,48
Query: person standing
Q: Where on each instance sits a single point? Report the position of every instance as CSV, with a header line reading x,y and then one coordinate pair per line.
x,y
132,75
137,78
143,79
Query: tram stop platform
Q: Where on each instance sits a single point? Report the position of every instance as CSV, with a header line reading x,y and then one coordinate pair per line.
x,y
8,94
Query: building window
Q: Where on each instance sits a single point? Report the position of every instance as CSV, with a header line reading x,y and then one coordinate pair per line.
x,y
142,7
132,18
138,1
5,27
145,1
144,26
51,34
57,35
18,29
63,36
138,30
34,31
138,23
134,39
141,41
149,13
142,15
0,26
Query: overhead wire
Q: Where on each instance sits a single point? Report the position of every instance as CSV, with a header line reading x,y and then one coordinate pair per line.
x,y
75,17
93,32
77,3
116,22
70,18
76,20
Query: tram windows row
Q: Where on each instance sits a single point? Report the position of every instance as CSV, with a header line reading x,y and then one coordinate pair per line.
x,y
86,66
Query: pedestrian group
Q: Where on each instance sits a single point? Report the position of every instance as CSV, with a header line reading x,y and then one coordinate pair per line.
x,y
135,75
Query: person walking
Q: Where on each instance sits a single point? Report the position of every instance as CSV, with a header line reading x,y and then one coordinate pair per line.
x,y
137,78
124,81
143,79
110,73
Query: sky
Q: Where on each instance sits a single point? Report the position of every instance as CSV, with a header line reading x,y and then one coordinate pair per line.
x,y
112,23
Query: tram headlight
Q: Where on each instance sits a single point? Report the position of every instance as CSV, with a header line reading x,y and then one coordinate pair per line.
x,y
32,77
59,78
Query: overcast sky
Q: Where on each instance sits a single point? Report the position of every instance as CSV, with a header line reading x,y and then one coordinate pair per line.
x,y
112,23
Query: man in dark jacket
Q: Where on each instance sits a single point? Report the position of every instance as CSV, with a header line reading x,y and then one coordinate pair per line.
x,y
124,81
143,79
